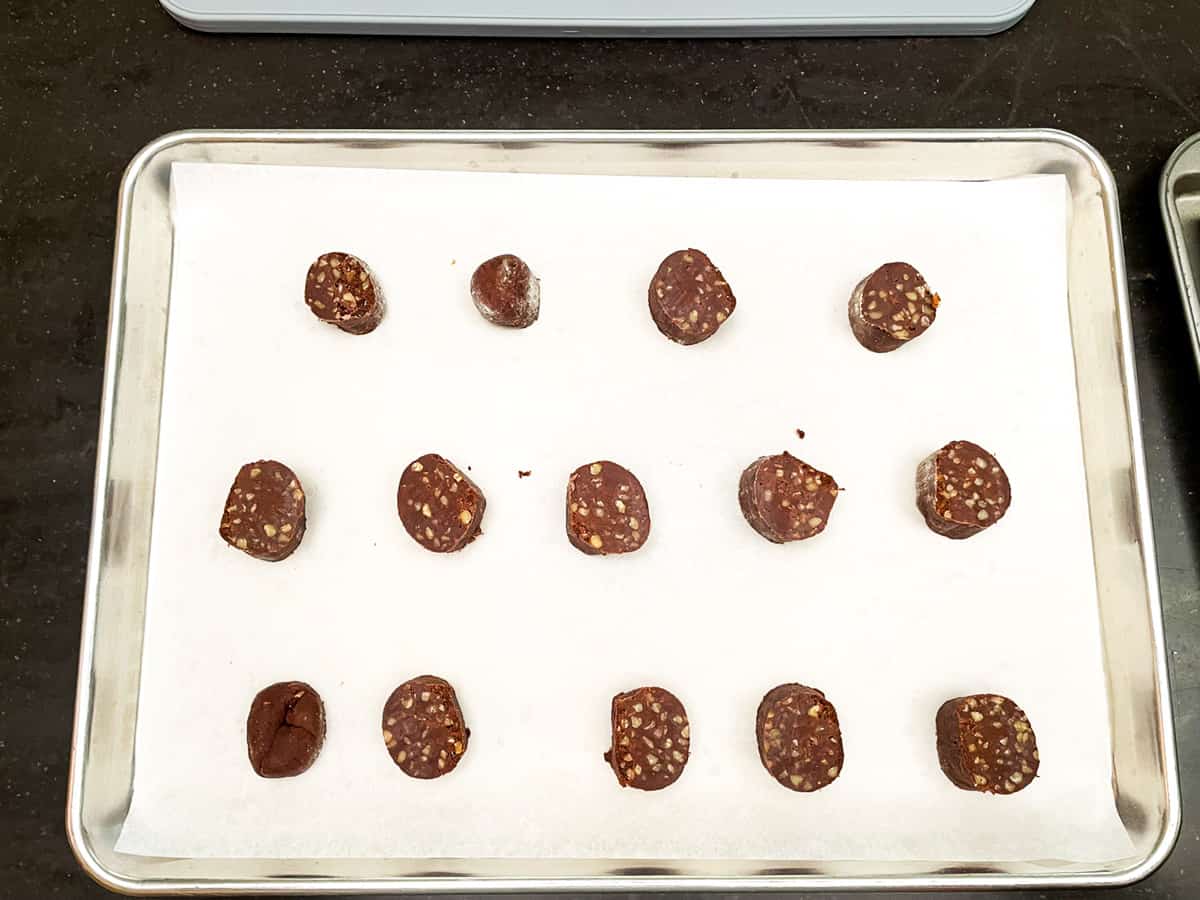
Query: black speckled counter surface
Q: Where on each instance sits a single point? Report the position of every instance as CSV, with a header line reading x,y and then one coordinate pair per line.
x,y
84,85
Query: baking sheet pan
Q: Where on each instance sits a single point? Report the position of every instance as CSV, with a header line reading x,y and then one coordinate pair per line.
x,y
724,155
614,18
1179,198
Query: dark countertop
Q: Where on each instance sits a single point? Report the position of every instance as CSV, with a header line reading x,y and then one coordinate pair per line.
x,y
84,85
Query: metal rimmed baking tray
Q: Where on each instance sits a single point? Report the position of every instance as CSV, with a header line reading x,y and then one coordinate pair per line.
x,y
620,18
1179,197
1144,769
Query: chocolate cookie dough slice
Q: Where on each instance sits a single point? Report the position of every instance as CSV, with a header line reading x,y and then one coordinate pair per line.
x,y
892,306
506,292
689,297
961,490
607,511
285,729
785,499
423,727
650,738
799,739
341,290
985,743
264,512
439,506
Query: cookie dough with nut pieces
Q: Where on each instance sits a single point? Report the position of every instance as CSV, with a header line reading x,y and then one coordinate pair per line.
x,y
439,506
423,727
264,514
651,738
607,510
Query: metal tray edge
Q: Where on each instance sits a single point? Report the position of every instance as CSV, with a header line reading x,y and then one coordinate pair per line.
x,y
460,26
1174,226
81,725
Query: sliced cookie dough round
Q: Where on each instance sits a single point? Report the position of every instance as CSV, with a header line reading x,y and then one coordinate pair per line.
x,y
799,739
962,490
689,297
423,727
285,729
506,292
439,506
985,743
650,738
341,290
607,510
892,306
785,499
264,512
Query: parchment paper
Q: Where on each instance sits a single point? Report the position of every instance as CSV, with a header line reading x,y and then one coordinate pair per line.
x,y
884,616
